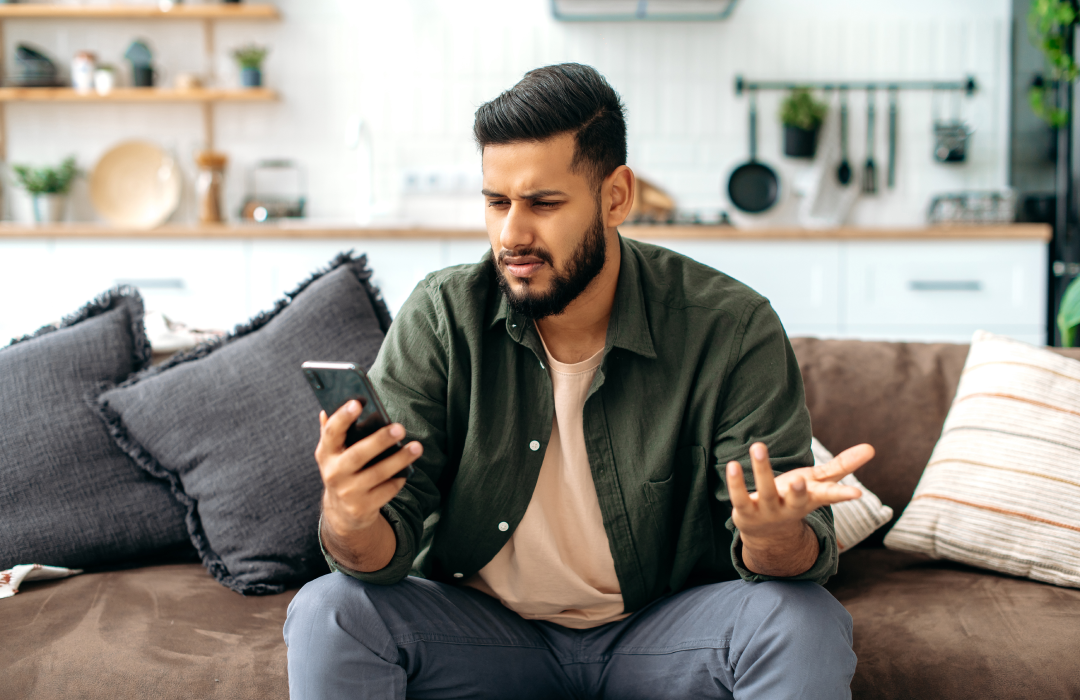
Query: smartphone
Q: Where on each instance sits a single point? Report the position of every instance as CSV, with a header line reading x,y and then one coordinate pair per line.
x,y
336,383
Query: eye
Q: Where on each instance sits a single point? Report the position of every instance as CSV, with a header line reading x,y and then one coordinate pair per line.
x,y
547,205
497,202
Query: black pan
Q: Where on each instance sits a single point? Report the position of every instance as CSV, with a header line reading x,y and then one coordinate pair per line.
x,y
753,187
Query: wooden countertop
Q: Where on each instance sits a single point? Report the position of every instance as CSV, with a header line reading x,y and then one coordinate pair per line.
x,y
315,230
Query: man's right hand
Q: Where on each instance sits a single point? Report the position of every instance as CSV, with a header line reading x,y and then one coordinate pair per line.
x,y
354,531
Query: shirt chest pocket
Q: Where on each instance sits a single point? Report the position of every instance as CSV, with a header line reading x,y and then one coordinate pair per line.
x,y
678,506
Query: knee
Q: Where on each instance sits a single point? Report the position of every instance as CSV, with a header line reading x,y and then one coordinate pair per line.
x,y
326,592
801,608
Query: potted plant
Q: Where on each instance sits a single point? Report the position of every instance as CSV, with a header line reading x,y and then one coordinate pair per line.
x,y
801,116
250,58
48,188
1050,24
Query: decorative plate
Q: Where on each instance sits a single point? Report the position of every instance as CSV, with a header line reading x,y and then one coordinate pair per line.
x,y
136,185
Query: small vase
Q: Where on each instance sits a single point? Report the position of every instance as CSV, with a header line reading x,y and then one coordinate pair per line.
x,y
49,208
251,77
799,143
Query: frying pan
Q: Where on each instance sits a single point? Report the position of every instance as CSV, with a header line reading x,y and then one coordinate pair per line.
x,y
753,186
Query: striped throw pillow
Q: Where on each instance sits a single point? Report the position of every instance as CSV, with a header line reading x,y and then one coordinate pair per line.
x,y
1002,489
854,520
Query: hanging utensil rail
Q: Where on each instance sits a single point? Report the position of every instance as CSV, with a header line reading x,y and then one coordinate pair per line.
x,y
967,85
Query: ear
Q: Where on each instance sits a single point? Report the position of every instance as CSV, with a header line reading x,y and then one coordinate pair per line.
x,y
618,191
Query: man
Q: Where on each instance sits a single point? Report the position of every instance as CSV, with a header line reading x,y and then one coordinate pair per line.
x,y
586,413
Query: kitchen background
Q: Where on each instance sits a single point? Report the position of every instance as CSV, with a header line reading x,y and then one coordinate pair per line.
x,y
375,102
377,98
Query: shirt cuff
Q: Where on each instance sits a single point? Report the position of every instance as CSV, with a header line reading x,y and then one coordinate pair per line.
x,y
399,565
821,522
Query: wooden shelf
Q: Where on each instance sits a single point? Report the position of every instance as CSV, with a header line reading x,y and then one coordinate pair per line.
x,y
319,230
130,94
150,11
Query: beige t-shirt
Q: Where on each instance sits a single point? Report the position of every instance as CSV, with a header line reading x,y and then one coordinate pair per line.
x,y
557,564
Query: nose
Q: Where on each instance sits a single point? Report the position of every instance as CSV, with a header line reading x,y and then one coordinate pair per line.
x,y
517,228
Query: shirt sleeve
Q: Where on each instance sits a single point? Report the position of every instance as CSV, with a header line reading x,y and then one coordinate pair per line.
x,y
410,377
764,402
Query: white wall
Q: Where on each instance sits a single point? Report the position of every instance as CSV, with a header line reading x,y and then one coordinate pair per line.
x,y
416,70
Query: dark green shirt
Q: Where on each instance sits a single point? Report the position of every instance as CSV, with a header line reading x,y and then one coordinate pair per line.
x,y
696,368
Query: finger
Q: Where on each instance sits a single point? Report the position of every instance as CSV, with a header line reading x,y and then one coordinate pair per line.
x,y
336,426
764,480
844,463
826,493
360,454
385,492
795,493
736,486
388,468
322,419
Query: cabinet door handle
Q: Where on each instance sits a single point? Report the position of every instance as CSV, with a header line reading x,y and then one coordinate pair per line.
x,y
945,285
156,283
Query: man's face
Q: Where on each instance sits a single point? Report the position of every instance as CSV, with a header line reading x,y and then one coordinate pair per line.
x,y
544,223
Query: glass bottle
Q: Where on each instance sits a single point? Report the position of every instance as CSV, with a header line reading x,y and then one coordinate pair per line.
x,y
209,184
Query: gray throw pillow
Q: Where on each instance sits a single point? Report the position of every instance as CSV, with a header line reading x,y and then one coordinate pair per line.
x,y
68,495
232,425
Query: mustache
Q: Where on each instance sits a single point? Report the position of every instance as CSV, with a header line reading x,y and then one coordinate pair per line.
x,y
522,252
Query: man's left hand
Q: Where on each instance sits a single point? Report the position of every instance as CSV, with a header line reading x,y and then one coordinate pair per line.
x,y
776,540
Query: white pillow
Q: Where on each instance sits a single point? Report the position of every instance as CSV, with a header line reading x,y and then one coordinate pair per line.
x,y
1002,489
854,520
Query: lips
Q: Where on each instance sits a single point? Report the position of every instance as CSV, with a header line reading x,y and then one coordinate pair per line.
x,y
523,266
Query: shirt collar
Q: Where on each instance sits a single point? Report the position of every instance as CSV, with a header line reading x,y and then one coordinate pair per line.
x,y
629,324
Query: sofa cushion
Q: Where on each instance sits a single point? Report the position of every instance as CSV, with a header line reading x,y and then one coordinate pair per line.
x,y
894,396
937,629
167,632
1002,488
232,425
68,495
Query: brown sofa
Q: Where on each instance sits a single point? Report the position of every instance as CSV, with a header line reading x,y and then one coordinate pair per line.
x,y
923,628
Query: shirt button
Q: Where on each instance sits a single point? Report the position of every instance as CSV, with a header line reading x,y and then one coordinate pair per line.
x,y
534,445
458,575
504,526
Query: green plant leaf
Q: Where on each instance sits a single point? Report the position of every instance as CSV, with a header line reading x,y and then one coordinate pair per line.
x,y
47,180
800,109
1069,314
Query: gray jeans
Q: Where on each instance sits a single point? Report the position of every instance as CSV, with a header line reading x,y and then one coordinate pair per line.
x,y
423,639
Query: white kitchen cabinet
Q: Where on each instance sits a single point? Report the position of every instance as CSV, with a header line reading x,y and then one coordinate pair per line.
x,y
944,290
800,278
201,283
923,290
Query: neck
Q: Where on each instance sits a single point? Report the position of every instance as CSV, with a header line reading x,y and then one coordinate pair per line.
x,y
580,331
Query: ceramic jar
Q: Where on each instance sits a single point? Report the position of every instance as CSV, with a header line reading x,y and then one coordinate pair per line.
x,y
83,67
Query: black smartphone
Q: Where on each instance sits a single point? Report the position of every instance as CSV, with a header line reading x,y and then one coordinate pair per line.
x,y
336,383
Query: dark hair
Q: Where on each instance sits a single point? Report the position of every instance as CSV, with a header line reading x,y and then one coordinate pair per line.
x,y
553,100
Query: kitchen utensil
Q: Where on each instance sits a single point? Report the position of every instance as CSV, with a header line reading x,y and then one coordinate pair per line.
x,y
825,202
275,191
208,185
950,141
135,185
994,207
869,180
950,135
82,71
142,64
35,68
843,172
890,178
753,186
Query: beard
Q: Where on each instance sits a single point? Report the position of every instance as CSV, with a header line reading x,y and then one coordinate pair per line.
x,y
584,265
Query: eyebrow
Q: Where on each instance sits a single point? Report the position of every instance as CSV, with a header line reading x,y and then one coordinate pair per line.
x,y
538,194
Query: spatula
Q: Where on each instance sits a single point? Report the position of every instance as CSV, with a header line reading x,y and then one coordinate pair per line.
x,y
869,180
843,172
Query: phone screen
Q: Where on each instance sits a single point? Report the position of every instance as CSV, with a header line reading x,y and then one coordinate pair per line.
x,y
336,383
